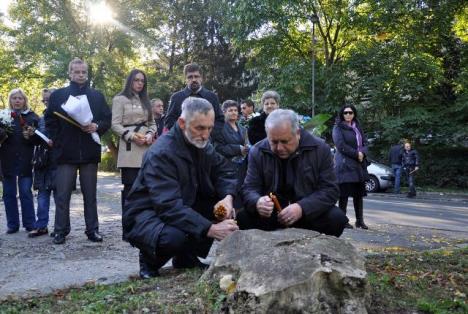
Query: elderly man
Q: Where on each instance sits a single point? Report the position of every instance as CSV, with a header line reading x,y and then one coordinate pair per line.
x,y
297,168
169,212
194,88
75,150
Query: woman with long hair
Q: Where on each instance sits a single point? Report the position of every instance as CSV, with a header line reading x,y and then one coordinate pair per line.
x,y
16,155
350,161
132,121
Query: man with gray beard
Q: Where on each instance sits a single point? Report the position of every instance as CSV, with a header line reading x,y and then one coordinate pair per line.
x,y
169,211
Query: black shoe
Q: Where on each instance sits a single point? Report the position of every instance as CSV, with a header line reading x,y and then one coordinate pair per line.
x,y
59,238
361,224
38,232
348,226
29,229
147,269
11,231
94,237
187,261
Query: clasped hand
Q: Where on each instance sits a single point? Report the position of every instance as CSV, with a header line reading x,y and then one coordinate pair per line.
x,y
288,216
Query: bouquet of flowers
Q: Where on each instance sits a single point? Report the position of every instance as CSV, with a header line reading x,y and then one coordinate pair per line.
x,y
303,120
78,108
6,120
6,124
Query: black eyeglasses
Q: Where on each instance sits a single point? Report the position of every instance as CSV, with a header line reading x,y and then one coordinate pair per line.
x,y
348,112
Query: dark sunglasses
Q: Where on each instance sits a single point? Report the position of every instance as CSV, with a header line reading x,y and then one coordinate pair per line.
x,y
348,112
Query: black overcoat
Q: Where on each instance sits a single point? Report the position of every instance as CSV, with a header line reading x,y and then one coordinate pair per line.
x,y
166,188
347,165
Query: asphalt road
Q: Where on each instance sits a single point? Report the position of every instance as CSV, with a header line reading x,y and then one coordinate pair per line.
x,y
422,213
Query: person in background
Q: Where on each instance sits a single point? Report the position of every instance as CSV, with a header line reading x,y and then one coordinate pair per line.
x,y
270,102
350,161
16,155
169,211
194,88
410,160
157,106
247,108
297,168
395,160
44,170
232,142
75,150
133,123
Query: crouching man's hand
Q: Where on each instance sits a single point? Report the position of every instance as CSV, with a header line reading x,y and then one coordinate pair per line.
x,y
222,229
289,215
227,203
265,206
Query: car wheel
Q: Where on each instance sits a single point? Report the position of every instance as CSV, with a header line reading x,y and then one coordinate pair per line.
x,y
372,185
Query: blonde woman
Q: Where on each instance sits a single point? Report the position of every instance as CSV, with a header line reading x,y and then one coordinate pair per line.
x,y
16,155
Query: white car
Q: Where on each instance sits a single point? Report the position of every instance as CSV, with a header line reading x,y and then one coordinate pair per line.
x,y
381,177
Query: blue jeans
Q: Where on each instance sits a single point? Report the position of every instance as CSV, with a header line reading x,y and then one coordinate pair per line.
x,y
397,173
43,205
24,184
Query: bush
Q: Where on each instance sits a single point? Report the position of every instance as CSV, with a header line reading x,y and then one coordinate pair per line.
x,y
108,163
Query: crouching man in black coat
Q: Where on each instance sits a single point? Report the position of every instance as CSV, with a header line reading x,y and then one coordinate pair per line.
x,y
297,168
169,211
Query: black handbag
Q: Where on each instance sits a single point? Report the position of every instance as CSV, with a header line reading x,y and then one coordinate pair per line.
x,y
40,158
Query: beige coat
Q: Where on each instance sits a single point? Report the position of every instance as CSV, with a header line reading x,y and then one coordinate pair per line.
x,y
126,113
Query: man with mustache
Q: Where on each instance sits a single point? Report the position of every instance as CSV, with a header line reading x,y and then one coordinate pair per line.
x,y
194,88
169,211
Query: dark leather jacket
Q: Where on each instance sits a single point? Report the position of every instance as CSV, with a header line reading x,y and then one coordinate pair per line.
x,y
315,185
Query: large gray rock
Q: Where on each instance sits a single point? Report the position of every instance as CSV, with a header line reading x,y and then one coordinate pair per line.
x,y
289,271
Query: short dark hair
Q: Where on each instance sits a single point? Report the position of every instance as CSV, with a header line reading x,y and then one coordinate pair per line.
x,y
192,67
230,103
248,102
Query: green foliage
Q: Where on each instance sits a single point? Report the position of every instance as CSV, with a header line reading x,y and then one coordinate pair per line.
x,y
108,163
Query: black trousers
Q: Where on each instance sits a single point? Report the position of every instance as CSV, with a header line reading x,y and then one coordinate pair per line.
x,y
128,176
174,242
331,222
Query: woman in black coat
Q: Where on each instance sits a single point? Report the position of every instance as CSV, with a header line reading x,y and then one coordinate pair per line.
x,y
232,142
16,155
270,102
350,161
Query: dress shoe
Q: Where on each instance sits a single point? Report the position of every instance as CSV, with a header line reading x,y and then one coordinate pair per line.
x,y
361,224
11,231
94,237
147,268
29,229
187,261
59,238
349,226
38,232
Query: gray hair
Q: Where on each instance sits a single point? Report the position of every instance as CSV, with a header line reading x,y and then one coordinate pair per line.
x,y
271,94
193,105
281,116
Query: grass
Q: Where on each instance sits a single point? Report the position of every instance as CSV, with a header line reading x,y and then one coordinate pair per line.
x,y
430,282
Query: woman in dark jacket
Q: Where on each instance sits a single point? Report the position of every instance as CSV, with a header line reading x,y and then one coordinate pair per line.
x,y
350,161
270,102
16,154
232,142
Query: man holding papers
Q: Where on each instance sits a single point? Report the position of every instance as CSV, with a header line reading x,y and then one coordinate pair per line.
x,y
76,147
